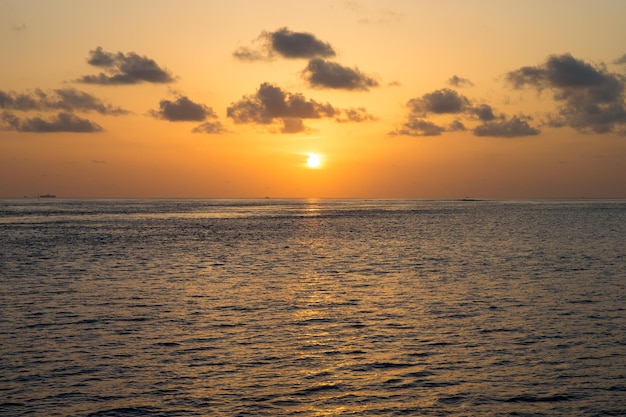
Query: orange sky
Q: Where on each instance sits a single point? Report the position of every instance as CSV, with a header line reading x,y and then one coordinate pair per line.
x,y
401,99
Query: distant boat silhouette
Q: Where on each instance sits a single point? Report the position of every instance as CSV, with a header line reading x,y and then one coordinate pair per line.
x,y
47,196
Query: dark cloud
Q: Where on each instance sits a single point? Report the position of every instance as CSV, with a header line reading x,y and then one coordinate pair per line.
x,y
620,60
515,127
591,98
299,45
456,81
210,128
67,99
182,109
62,122
270,104
121,68
483,112
456,126
439,102
321,73
445,102
287,44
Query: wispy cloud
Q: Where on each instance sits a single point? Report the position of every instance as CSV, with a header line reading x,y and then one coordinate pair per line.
x,y
458,82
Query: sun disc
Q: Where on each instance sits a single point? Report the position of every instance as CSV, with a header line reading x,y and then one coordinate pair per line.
x,y
314,160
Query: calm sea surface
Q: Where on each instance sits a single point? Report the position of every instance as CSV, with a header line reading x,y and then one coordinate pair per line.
x,y
312,308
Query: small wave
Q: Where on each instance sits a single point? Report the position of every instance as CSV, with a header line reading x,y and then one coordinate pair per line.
x,y
321,388
528,398
126,412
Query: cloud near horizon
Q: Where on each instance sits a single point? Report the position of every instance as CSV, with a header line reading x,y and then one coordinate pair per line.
x,y
287,44
271,104
62,122
590,98
123,69
325,74
449,102
182,110
67,99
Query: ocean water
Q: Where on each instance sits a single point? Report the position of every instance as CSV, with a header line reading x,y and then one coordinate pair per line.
x,y
312,308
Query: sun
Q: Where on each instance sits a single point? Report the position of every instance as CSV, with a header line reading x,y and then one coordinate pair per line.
x,y
314,160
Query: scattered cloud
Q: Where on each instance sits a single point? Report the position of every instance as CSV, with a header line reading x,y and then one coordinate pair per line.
x,y
121,69
19,28
445,102
270,104
287,44
456,81
354,115
62,122
293,125
484,112
439,102
214,127
67,99
415,126
620,60
326,74
182,109
380,16
456,126
591,98
514,127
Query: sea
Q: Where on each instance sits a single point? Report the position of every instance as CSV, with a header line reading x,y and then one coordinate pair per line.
x,y
312,307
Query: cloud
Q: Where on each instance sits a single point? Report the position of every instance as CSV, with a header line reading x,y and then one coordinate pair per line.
x,y
620,60
483,112
321,73
456,81
62,122
285,43
515,127
182,109
121,68
210,128
270,104
19,28
439,102
446,102
293,125
418,127
354,115
67,99
591,98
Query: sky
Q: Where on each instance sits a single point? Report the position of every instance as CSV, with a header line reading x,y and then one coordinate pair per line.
x,y
396,99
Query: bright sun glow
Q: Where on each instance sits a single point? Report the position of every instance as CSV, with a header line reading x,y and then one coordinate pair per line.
x,y
314,160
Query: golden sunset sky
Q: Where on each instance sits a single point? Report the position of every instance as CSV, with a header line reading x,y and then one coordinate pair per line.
x,y
228,99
